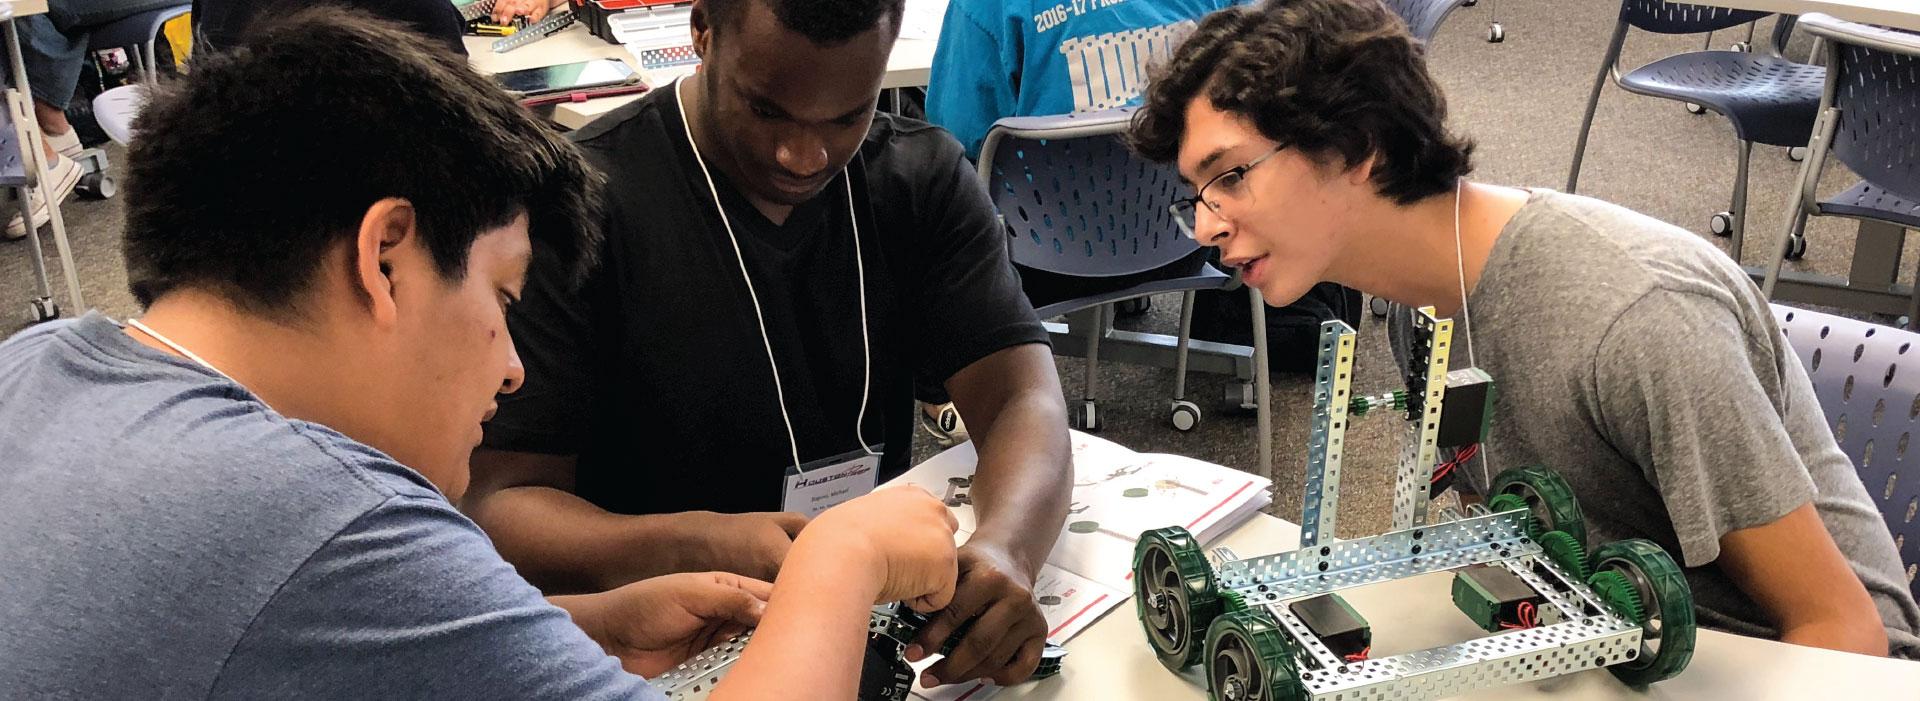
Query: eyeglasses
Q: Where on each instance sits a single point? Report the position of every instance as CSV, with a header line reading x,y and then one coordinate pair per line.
x,y
1227,184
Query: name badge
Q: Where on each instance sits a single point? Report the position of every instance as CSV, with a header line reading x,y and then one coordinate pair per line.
x,y
828,482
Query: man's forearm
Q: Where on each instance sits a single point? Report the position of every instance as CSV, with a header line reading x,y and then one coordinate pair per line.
x,y
564,544
1023,482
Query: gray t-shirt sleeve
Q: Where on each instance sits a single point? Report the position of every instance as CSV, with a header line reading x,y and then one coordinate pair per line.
x,y
412,601
1668,397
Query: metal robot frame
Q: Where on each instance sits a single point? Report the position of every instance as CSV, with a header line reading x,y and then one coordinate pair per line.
x,y
1633,615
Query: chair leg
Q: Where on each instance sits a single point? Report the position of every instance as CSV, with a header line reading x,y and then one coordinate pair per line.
x,y
42,283
1185,340
1913,308
1094,331
1796,226
1262,385
1744,157
1800,198
1593,103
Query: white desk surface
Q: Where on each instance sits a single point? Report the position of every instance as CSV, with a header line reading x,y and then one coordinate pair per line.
x,y
910,65
1899,14
1110,660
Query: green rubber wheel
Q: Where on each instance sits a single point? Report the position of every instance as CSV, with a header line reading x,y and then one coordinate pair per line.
x,y
1249,659
1175,595
1552,502
1667,609
1565,552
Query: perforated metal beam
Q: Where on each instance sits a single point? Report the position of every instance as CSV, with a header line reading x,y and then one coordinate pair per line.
x,y
1410,490
1331,393
1388,556
1498,660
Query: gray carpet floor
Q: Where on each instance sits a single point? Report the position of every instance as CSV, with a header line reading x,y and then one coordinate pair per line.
x,y
1521,101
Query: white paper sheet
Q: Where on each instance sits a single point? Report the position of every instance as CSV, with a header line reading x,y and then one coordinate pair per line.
x,y
1117,494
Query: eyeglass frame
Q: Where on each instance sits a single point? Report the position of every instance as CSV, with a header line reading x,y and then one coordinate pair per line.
x,y
1193,203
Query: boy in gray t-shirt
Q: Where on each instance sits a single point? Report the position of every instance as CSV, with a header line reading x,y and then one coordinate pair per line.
x,y
1631,357
248,492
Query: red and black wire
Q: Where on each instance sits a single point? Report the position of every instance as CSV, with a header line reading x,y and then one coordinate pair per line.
x,y
1460,457
1528,616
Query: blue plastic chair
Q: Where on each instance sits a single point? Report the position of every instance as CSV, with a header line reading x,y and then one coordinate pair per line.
x,y
139,32
1769,99
1869,119
1076,201
1423,16
1857,371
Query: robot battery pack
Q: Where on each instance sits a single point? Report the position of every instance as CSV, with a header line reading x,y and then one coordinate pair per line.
x,y
1468,411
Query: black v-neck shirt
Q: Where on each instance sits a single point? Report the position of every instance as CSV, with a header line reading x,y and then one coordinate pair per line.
x,y
655,373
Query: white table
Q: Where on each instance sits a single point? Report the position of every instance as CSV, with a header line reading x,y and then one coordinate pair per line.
x,y
1899,14
1111,661
910,66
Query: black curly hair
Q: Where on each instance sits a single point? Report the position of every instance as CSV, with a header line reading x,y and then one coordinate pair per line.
x,y
1336,79
824,22
246,172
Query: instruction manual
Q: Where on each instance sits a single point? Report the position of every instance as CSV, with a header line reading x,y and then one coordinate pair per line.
x,y
1117,494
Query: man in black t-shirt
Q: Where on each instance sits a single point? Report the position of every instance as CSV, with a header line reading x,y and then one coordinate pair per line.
x,y
780,265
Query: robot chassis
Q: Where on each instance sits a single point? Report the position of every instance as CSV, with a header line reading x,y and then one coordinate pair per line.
x,y
884,675
1270,628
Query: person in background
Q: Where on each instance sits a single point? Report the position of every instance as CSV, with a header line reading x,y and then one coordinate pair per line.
x,y
1021,58
246,492
1633,357
53,49
781,265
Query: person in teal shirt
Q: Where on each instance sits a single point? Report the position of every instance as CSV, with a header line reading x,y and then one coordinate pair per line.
x,y
1019,58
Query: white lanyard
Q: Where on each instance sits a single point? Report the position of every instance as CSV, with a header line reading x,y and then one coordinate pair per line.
x,y
866,349
177,348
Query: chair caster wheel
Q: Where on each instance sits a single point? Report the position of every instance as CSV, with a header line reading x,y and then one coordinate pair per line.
x,y
1797,154
1470,3
1242,396
1797,248
1742,47
96,186
1694,108
1379,306
1721,224
1496,34
1186,416
1088,418
43,309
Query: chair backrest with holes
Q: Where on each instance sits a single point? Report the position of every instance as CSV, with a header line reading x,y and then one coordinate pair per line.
x,y
1868,379
1423,16
1662,17
1874,86
1077,201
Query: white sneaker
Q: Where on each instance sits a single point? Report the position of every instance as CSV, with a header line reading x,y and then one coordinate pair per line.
x,y
62,176
67,144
